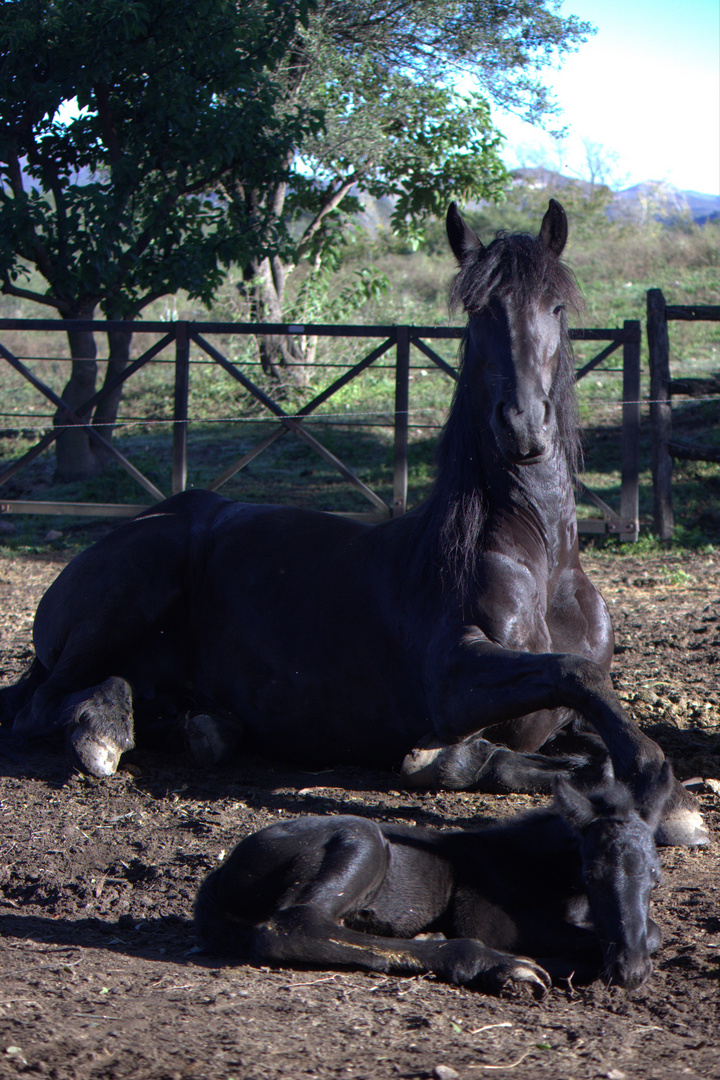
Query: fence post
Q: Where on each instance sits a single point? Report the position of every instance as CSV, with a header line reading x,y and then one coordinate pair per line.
x,y
660,413
180,414
630,484
402,402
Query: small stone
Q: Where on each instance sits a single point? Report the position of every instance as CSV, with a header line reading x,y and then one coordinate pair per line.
x,y
445,1072
53,534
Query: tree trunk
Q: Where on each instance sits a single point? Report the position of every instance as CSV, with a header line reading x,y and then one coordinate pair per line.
x,y
74,457
281,356
78,456
106,412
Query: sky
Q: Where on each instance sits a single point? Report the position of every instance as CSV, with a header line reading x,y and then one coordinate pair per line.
x,y
645,87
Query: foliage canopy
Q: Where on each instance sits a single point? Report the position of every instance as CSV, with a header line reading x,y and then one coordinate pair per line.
x,y
115,199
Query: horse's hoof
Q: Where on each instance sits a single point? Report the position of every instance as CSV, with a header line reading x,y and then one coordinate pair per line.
x,y
682,827
209,738
420,767
98,757
100,726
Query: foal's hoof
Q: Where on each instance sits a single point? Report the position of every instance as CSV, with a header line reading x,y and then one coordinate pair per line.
x,y
210,738
523,973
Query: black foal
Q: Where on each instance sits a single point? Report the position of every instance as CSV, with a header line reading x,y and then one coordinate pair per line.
x,y
568,887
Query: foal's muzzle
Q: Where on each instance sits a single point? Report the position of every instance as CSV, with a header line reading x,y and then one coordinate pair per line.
x,y
628,969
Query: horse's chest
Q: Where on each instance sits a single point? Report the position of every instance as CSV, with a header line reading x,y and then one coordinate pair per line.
x,y
532,616
578,621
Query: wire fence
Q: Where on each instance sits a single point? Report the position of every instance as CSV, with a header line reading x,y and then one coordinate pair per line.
x,y
180,355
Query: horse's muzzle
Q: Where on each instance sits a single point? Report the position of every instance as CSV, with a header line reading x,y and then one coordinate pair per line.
x,y
628,969
525,433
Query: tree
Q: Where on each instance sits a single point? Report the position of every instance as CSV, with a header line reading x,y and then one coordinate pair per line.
x,y
385,75
117,199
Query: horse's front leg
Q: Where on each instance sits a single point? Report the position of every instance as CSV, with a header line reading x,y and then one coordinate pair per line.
x,y
476,685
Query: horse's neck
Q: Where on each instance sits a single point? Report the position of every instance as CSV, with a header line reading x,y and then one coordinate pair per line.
x,y
531,509
479,504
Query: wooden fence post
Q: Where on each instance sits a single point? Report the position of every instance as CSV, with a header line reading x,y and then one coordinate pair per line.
x,y
630,484
402,404
660,413
180,416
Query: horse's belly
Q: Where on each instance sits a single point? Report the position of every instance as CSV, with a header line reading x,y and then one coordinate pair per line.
x,y
317,717
305,656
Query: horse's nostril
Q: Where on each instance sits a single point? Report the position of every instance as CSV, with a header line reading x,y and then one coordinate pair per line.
x,y
631,974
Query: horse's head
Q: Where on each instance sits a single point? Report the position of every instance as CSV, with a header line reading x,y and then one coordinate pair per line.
x,y
620,868
517,355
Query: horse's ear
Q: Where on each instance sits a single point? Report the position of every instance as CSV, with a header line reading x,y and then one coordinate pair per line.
x,y
554,228
651,804
463,240
572,805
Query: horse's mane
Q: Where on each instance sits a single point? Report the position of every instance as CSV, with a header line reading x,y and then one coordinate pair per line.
x,y
516,265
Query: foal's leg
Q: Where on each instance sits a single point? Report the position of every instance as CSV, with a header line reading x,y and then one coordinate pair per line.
x,y
307,934
331,876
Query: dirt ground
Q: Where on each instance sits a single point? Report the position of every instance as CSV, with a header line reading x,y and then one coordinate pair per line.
x,y
100,976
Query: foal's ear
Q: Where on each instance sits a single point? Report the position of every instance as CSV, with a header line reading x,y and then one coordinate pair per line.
x,y
651,804
463,240
554,228
572,805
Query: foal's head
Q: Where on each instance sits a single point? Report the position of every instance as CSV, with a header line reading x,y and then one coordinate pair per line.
x,y
517,356
620,868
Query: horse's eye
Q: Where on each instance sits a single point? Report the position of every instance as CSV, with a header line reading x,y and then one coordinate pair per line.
x,y
557,311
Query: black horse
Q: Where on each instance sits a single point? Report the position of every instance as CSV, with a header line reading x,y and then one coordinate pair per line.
x,y
569,888
462,637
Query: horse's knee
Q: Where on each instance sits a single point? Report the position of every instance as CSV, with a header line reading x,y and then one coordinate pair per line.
x,y
100,728
580,678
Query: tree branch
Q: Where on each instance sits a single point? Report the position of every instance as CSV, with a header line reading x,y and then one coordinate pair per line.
x,y
102,97
27,294
328,206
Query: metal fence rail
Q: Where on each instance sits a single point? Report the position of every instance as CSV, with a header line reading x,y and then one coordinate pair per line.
x,y
179,335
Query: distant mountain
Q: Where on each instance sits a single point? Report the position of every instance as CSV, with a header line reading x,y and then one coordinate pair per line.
x,y
653,199
664,202
702,207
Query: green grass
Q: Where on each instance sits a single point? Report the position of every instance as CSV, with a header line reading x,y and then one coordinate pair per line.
x,y
615,265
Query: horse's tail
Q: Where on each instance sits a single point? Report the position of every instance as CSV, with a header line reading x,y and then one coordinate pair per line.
x,y
216,931
13,698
